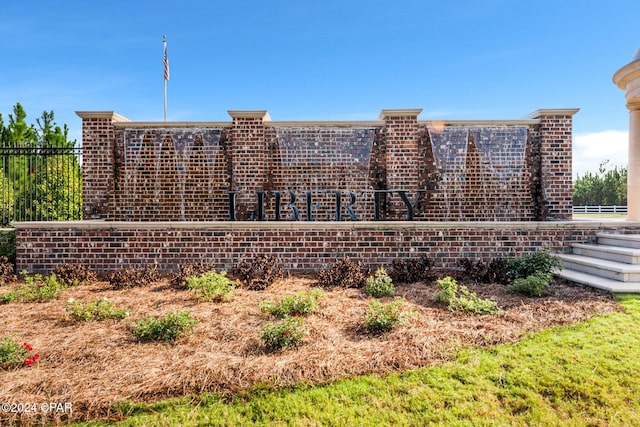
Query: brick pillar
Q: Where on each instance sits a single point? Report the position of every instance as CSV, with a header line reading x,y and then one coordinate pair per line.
x,y
402,157
248,159
556,180
98,162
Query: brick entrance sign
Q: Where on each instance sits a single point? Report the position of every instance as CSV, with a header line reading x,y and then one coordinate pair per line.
x,y
312,192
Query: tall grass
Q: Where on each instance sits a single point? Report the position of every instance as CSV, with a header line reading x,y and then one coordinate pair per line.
x,y
584,374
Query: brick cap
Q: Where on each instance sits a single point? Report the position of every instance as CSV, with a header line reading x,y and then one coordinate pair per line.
x,y
170,125
334,123
407,112
231,226
250,114
552,112
110,115
479,123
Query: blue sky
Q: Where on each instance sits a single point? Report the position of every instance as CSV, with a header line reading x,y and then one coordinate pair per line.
x,y
325,60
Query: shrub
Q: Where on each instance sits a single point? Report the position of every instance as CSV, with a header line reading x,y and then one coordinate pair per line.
x,y
381,317
6,271
132,278
344,273
412,270
459,298
74,274
300,304
260,273
479,272
285,333
167,328
541,262
471,270
498,271
8,245
13,355
99,309
380,284
533,285
211,286
190,270
36,288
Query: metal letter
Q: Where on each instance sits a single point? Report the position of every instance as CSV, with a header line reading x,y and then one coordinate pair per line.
x,y
232,205
295,214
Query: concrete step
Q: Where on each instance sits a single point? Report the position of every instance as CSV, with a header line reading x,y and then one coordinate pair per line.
x,y
612,253
601,267
605,284
622,240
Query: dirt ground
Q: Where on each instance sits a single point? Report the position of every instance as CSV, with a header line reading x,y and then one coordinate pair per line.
x,y
94,364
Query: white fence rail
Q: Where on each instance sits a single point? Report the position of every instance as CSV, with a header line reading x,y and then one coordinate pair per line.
x,y
600,209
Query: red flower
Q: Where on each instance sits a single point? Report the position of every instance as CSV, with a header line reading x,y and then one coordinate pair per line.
x,y
27,346
31,359
296,314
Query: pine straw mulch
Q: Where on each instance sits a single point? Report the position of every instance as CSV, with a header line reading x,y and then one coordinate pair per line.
x,y
94,364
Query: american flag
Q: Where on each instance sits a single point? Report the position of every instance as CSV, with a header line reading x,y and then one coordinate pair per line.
x,y
165,60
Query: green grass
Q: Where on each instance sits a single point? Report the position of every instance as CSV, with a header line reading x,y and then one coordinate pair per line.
x,y
584,374
601,215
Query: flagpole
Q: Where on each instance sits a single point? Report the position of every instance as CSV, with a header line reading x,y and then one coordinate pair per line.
x,y
165,61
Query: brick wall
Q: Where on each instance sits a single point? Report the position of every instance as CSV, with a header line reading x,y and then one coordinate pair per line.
x,y
450,171
248,158
555,173
105,246
98,140
402,157
478,173
316,161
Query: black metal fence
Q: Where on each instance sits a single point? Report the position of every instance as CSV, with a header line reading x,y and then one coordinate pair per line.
x,y
40,184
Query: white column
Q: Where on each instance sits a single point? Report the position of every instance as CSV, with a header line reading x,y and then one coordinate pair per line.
x,y
627,78
633,177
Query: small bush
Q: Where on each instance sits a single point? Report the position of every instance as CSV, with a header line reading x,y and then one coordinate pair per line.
x,y
74,274
300,304
258,274
472,270
459,298
13,355
7,274
344,273
285,333
94,310
35,289
533,285
498,271
8,245
381,317
380,284
479,272
168,328
191,270
211,286
541,262
133,278
412,270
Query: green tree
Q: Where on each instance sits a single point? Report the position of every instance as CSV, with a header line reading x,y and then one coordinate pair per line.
x,y
41,177
604,187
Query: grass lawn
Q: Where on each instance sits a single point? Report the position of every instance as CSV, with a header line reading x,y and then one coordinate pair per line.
x,y
599,216
584,374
